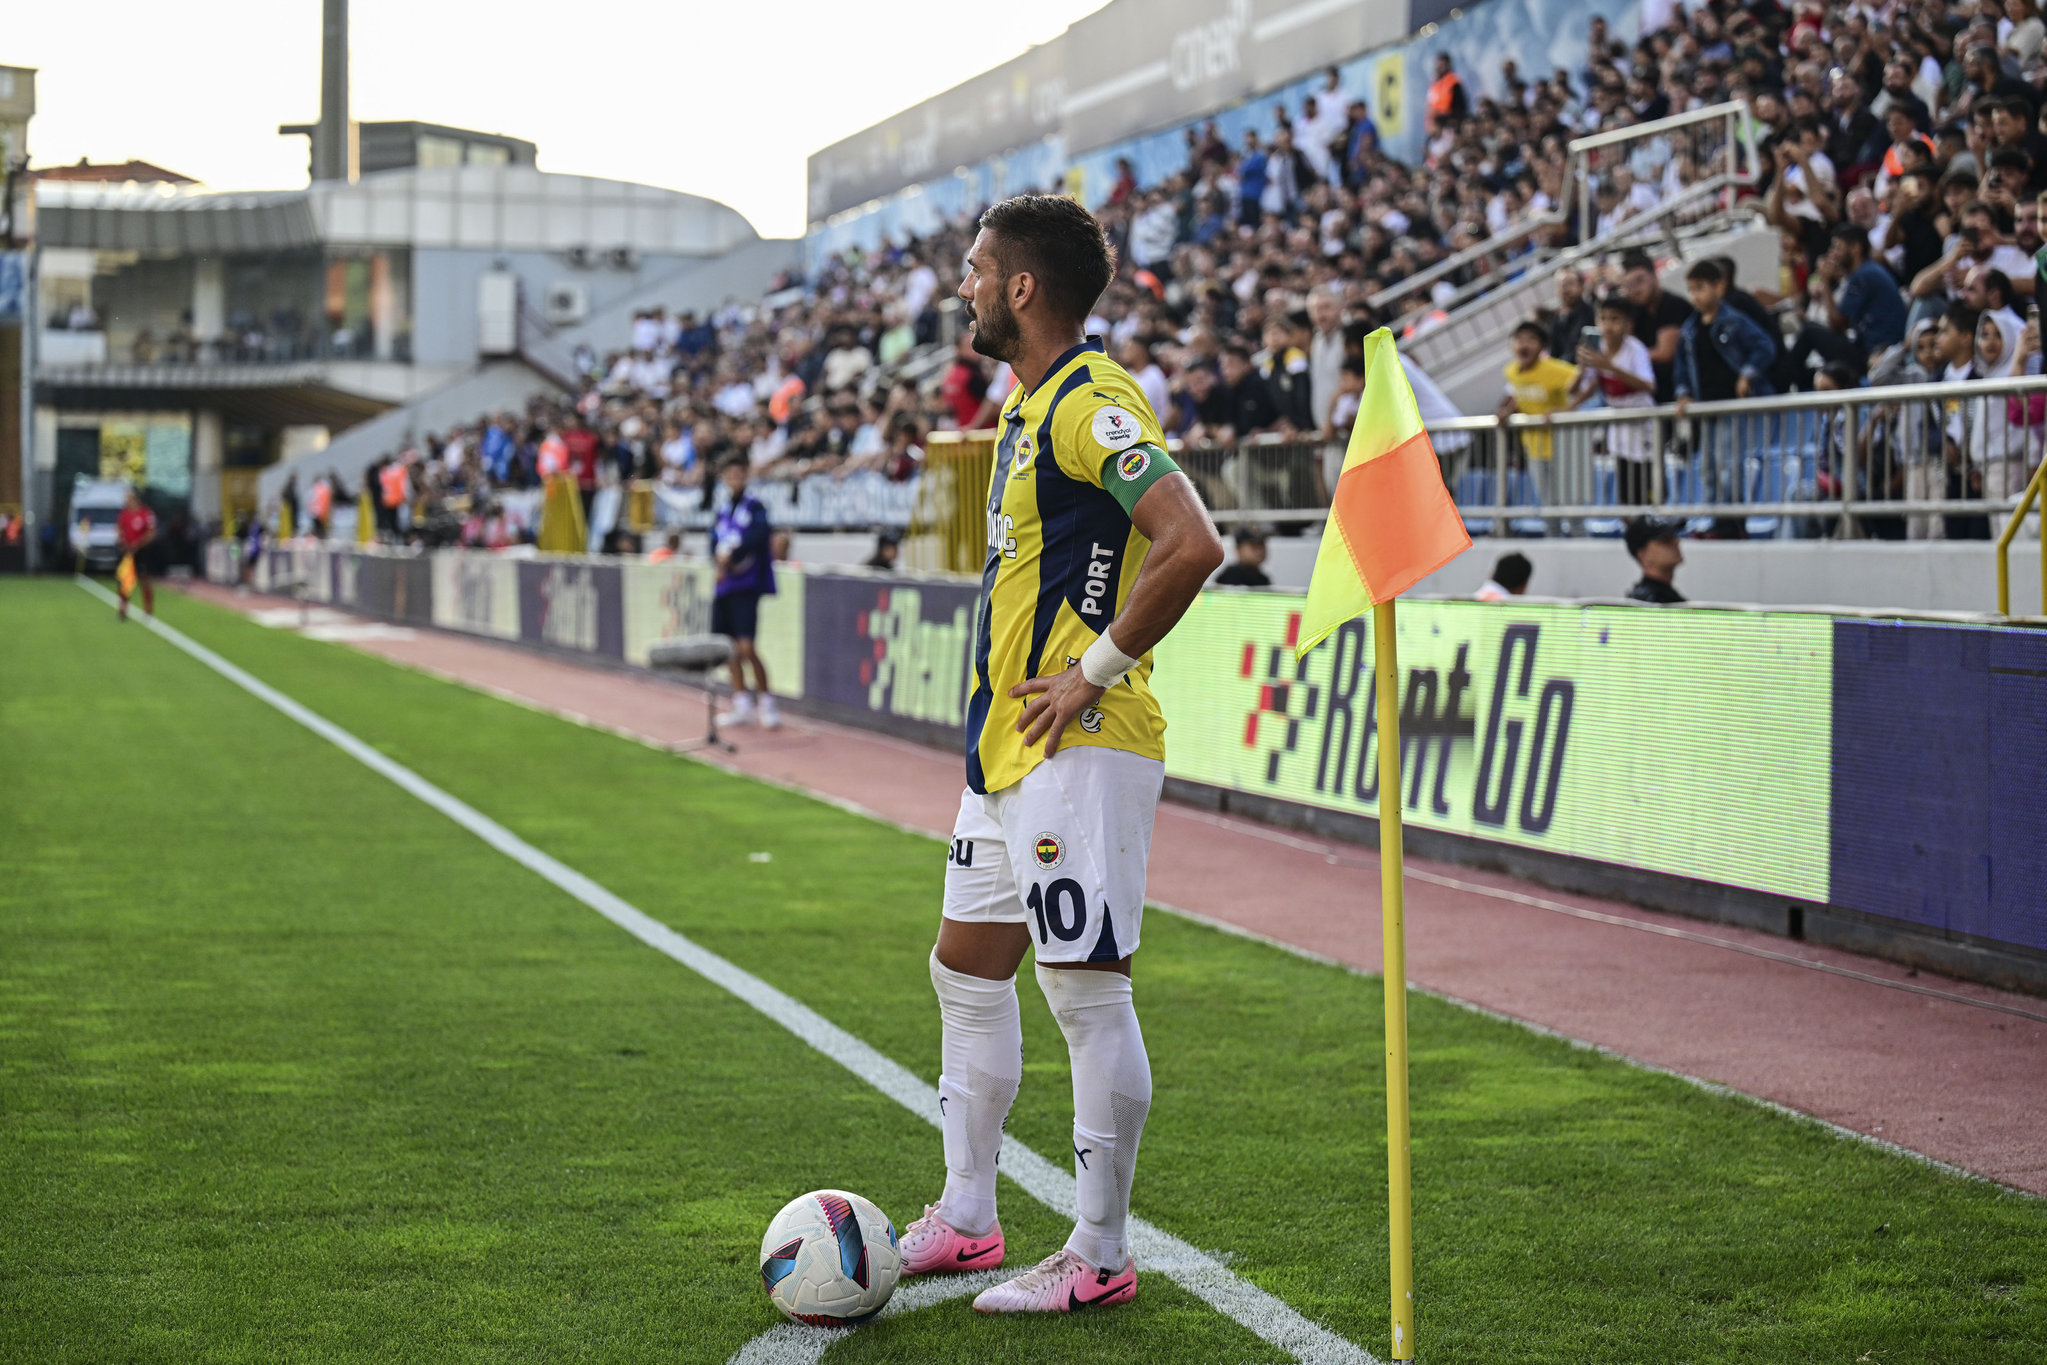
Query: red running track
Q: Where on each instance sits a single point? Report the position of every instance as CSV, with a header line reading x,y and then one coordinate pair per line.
x,y
1959,1075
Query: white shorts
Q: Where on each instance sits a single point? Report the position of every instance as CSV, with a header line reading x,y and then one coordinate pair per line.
x,y
1062,852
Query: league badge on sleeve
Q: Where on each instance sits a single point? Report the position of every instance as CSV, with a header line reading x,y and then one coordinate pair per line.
x,y
1116,427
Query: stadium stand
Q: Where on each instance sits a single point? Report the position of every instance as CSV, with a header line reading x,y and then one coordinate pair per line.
x,y
1860,186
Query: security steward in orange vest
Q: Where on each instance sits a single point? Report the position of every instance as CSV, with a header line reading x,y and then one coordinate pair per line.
x,y
1447,100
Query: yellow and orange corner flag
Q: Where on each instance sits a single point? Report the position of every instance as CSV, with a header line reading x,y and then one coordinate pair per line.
x,y
1391,521
124,574
1391,524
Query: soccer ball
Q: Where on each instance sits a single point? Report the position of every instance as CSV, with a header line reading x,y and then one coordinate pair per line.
x,y
830,1259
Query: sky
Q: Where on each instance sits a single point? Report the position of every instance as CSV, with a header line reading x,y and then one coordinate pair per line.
x,y
724,100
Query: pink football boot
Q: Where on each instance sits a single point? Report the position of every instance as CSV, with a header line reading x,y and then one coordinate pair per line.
x,y
1060,1283
931,1246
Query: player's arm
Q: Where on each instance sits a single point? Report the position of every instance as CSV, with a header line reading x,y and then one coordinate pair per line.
x,y
1185,550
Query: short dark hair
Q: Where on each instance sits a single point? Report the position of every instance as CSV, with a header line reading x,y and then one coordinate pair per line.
x,y
1618,303
1512,571
1535,330
1998,214
2001,282
1638,259
1059,243
1706,271
1961,317
1852,235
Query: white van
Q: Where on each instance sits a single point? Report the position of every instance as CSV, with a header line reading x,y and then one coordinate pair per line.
x,y
95,508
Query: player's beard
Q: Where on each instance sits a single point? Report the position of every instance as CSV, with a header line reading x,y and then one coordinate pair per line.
x,y
996,334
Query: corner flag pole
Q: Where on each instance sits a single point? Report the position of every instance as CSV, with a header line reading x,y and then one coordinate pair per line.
x,y
1393,927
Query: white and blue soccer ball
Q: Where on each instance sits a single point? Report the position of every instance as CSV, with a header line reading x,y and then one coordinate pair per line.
x,y
830,1259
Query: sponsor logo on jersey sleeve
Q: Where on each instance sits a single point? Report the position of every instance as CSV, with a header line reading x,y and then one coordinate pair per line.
x,y
1116,427
1048,851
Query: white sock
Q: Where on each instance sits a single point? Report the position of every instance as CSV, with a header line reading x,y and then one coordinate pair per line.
x,y
981,1065
1111,1096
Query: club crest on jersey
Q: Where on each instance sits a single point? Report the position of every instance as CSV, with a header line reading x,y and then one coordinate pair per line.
x,y
1049,851
1116,427
1021,461
1133,463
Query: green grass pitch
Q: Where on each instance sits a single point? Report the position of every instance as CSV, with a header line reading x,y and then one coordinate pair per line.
x,y
292,1068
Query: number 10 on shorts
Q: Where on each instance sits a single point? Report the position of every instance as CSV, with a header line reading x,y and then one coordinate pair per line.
x,y
1060,908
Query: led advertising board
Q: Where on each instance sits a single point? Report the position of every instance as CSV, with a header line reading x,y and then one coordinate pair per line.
x,y
1693,743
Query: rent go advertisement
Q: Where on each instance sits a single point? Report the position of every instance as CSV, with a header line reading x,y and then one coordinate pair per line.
x,y
1691,743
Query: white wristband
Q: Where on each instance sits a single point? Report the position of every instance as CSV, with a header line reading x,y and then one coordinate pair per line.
x,y
1103,664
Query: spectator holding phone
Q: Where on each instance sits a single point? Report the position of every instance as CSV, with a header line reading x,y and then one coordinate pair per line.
x,y
1613,362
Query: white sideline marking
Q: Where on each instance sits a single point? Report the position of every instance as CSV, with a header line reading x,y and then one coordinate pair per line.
x,y
792,1343
1156,1250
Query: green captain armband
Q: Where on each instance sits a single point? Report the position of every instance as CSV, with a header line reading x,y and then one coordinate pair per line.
x,y
1128,473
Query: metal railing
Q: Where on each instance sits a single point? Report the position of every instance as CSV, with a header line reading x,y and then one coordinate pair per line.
x,y
1721,143
1908,461
2011,529
1490,261
1717,142
1917,461
1487,318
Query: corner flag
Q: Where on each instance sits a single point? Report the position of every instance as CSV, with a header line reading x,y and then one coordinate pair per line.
x,y
1391,524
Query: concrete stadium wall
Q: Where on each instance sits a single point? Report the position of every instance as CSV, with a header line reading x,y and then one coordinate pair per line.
x,y
1857,575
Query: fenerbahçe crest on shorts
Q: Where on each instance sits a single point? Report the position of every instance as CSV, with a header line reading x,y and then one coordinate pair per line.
x,y
1074,457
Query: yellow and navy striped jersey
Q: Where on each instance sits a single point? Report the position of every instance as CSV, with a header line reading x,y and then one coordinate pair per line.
x,y
1074,456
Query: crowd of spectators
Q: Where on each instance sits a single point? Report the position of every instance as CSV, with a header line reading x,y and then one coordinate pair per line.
x,y
1901,157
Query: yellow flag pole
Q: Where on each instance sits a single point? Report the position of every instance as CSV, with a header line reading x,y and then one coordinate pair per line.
x,y
1393,927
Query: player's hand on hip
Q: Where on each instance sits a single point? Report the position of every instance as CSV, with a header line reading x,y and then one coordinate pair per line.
x,y
1054,701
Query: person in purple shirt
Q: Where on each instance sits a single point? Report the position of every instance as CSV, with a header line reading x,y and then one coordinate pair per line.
x,y
746,573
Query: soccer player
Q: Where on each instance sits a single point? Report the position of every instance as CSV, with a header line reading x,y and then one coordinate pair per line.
x,y
1097,545
740,542
136,527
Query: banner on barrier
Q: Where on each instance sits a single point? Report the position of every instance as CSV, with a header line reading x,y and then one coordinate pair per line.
x,y
1691,743
572,604
1939,759
895,648
674,598
477,593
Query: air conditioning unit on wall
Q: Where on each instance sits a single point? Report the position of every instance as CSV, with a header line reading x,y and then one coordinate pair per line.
x,y
566,304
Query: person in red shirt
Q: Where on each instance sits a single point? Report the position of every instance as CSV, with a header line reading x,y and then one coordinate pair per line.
x,y
137,529
965,383
582,444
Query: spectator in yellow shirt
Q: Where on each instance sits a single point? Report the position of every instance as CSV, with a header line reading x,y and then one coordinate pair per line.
x,y
1537,384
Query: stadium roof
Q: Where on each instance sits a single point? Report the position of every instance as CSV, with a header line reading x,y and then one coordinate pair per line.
x,y
482,208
